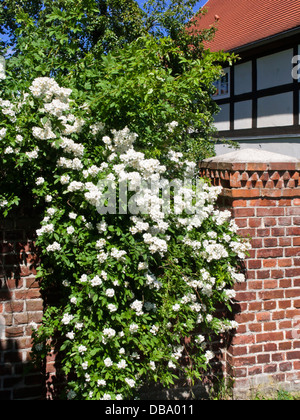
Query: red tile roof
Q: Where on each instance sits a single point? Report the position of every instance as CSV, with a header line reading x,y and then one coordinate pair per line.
x,y
241,22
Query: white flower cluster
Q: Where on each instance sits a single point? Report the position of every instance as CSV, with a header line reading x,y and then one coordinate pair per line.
x,y
3,133
137,306
240,248
155,244
172,126
69,146
45,88
8,109
45,229
44,133
213,251
54,247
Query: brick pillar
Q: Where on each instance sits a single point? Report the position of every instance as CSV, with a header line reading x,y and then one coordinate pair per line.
x,y
20,304
263,191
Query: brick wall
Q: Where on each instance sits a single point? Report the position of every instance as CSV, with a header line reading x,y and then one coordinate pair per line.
x,y
20,304
265,202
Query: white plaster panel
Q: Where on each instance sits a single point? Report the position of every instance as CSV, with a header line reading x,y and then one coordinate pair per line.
x,y
243,78
242,115
222,120
275,69
275,111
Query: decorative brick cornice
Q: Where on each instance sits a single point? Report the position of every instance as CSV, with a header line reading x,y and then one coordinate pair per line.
x,y
275,179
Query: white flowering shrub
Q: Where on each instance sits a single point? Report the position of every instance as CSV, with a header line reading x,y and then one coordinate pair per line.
x,y
138,270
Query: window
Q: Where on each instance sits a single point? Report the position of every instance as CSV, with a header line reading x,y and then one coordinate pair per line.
x,y
223,85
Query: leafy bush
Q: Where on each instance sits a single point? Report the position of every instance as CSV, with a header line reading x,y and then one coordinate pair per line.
x,y
135,282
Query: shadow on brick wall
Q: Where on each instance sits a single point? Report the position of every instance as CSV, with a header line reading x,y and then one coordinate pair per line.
x,y
20,304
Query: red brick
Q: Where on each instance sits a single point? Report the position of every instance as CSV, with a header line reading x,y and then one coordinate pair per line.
x,y
292,272
293,211
278,315
270,347
255,222
239,203
285,345
269,326
293,355
284,304
263,232
263,358
296,241
241,223
278,231
292,252
277,274
269,305
270,221
257,348
269,253
284,367
270,368
284,241
269,263
263,202
293,231
297,303
272,211
243,212
244,318
34,305
284,202
286,324
263,316
244,361
284,221
235,180
285,283
290,293
261,167
271,294
286,262
255,285
14,306
238,351
270,284
269,336
243,339
255,306
255,327
263,274
270,242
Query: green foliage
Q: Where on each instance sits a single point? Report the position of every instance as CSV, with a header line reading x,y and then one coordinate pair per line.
x,y
138,293
153,73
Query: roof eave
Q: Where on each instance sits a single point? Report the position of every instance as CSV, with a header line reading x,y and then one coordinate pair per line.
x,y
267,40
